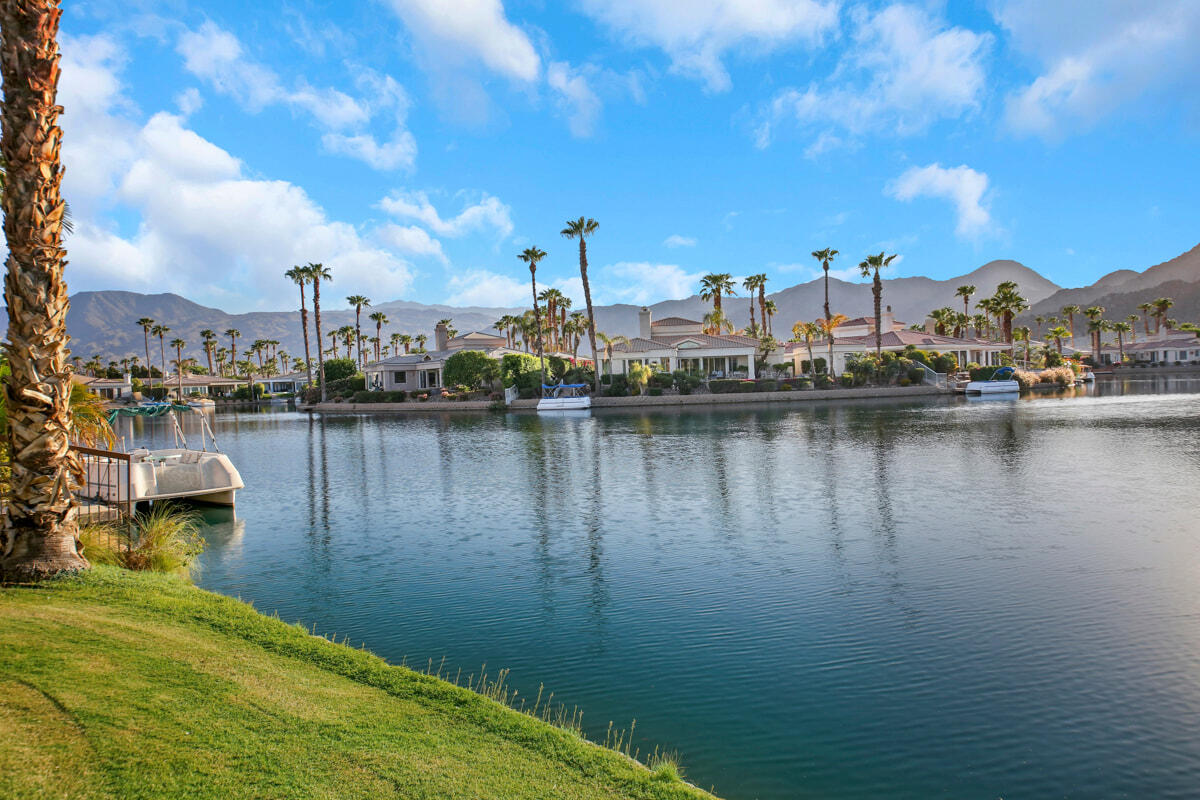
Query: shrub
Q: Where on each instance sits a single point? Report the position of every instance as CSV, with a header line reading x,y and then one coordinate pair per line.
x,y
345,387
618,387
846,379
1054,359
556,368
164,539
654,391
723,386
819,361
374,397
661,380
247,393
397,396
1027,380
802,382
514,364
905,382
470,368
685,382
580,374
338,368
916,375
983,373
767,386
785,387
945,362
1063,376
824,381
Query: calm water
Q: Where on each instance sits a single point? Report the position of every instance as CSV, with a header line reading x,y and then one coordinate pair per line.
x,y
941,599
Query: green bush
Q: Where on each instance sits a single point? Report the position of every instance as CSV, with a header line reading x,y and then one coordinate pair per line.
x,y
983,373
618,387
345,387
846,380
470,368
819,361
685,382
661,380
245,392
338,368
372,397
723,386
824,381
1053,359
785,387
916,375
556,368
654,391
397,396
767,386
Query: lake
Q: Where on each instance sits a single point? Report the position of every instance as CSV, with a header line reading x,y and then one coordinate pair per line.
x,y
943,598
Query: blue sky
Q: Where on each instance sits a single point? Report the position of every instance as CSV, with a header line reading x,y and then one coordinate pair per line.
x,y
416,146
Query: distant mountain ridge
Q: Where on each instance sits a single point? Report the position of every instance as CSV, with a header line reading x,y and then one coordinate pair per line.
x,y
104,322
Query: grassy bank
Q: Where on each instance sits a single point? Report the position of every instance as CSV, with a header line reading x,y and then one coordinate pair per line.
x,y
136,685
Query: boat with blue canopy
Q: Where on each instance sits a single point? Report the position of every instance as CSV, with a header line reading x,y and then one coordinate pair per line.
x,y
565,397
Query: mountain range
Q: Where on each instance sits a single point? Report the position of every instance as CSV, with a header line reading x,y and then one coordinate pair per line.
x,y
104,323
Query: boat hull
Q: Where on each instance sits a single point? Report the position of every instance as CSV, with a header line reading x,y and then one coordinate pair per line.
x,y
564,403
993,387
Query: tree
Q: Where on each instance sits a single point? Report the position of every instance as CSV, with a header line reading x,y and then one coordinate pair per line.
x,y
828,326
39,533
359,302
209,339
871,266
1069,312
751,284
1146,308
177,345
770,310
609,343
714,285
1121,329
1161,306
302,276
715,323
1058,333
469,368
380,319
806,332
965,292
420,339
1133,319
147,324
1024,333
233,334
942,319
582,228
1006,304
318,273
1095,328
531,256
161,331
825,258
1039,320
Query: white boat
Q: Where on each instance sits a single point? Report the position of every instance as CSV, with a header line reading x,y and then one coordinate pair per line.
x,y
181,472
565,397
1001,382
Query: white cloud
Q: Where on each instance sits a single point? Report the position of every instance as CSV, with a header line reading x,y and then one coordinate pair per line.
x,y
575,96
903,71
189,101
642,282
1099,61
480,287
216,56
675,240
487,213
411,240
449,35
961,185
697,34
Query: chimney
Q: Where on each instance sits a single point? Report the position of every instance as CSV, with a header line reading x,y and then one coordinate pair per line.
x,y
930,325
441,336
887,321
644,323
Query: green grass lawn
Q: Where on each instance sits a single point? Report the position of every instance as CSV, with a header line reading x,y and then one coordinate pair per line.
x,y
116,684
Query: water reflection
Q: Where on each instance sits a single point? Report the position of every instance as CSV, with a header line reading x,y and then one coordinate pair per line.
x,y
844,600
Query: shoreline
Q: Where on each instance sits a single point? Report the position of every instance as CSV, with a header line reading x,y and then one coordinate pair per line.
x,y
661,401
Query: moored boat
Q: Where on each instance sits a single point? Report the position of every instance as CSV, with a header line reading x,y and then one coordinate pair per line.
x,y
565,397
1001,382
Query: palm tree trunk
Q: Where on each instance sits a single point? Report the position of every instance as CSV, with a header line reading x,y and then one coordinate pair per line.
x,y
877,292
587,298
39,534
149,377
762,304
826,266
304,328
537,322
162,349
317,327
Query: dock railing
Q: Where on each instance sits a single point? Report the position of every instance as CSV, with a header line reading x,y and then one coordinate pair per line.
x,y
104,493
937,379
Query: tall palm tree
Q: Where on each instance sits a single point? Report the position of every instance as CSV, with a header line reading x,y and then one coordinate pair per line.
x,y
302,275
1146,308
580,229
1133,320
609,343
1069,312
531,256
828,326
1039,320
714,285
38,536
233,334
806,332
943,318
380,319
825,258
178,344
1161,306
1023,333
751,284
209,339
965,292
1121,329
770,310
395,340
420,339
359,302
871,266
1095,328
147,324
715,323
161,331
1006,304
1058,333
319,272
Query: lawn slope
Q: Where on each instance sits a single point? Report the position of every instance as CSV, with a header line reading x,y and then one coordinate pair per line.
x,y
132,685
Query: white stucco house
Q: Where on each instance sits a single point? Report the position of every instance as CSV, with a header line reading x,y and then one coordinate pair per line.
x,y
675,343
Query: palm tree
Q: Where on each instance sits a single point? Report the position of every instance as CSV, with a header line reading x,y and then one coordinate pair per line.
x,y
178,344
301,276
751,284
420,339
943,318
395,340
1094,314
531,256
609,342
715,284
1058,333
965,292
1039,320
770,310
715,322
146,325
1121,329
380,319
318,273
582,228
1146,308
1161,306
871,266
209,339
1069,312
161,331
1006,304
1024,333
233,334
359,302
828,326
825,258
806,332
348,337
37,539
406,340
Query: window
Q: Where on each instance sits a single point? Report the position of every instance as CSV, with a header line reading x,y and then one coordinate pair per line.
x,y
399,377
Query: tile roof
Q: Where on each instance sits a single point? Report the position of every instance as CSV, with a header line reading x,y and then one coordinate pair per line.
x,y
707,341
674,321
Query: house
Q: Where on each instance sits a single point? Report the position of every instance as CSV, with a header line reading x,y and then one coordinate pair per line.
x,y
292,382
675,343
212,385
423,371
108,388
1167,347
895,339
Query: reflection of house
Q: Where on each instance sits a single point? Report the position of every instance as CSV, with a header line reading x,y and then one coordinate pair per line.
x,y
423,371
674,343
1164,348
894,339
